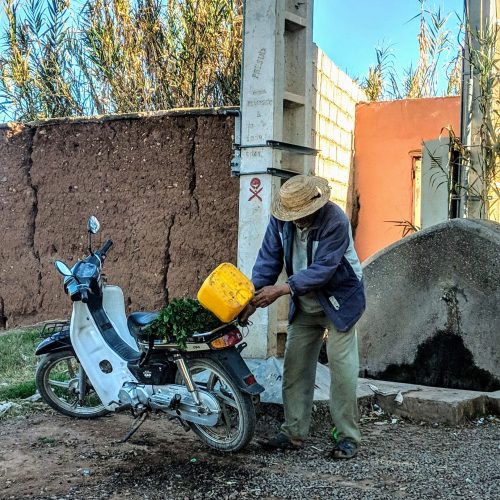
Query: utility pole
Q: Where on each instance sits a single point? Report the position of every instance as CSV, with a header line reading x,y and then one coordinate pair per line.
x,y
274,134
481,18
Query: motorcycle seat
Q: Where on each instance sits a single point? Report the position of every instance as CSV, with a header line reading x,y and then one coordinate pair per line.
x,y
142,319
138,321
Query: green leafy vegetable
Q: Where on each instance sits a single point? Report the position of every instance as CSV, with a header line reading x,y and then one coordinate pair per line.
x,y
180,319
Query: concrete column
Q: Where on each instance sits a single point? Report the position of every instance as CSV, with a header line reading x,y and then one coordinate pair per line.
x,y
276,111
481,16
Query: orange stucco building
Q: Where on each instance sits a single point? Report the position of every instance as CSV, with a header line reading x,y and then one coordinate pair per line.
x,y
388,142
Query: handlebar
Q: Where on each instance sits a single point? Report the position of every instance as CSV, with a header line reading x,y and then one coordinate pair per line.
x,y
97,258
88,270
104,249
85,274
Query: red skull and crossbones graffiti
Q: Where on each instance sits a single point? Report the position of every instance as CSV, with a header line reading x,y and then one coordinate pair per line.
x,y
255,189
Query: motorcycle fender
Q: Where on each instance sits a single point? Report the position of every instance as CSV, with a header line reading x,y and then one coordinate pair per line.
x,y
55,343
236,367
105,367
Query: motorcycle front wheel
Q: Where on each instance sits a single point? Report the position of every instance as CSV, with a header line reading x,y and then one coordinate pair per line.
x,y
236,423
58,380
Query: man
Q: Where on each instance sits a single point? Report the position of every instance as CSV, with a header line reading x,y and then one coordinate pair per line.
x,y
312,237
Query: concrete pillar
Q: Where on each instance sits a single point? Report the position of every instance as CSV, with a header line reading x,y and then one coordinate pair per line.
x,y
481,16
274,129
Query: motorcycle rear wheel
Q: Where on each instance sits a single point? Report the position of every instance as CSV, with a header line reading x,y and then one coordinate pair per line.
x,y
57,381
236,424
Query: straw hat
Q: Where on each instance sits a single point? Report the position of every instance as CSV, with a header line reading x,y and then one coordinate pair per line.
x,y
300,196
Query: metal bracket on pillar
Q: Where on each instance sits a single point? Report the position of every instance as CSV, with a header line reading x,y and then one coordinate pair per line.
x,y
284,146
236,164
292,148
276,172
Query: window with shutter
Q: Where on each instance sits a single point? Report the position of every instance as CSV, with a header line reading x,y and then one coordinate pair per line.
x,y
435,182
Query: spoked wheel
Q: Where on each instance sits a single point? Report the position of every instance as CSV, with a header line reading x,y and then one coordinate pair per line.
x,y
60,379
236,423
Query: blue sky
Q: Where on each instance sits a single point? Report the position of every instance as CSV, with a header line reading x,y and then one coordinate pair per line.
x,y
349,31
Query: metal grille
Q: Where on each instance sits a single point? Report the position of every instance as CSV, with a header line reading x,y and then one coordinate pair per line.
x,y
53,327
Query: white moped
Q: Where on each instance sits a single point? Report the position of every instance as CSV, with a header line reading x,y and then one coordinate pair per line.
x,y
104,362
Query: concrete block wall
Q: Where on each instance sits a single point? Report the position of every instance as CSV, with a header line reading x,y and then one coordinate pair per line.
x,y
334,101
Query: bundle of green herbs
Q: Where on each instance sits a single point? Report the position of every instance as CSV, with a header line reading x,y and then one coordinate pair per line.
x,y
180,319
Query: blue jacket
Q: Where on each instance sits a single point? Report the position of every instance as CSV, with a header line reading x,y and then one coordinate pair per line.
x,y
333,268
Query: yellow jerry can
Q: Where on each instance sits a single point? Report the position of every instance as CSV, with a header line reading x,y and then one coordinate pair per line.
x,y
226,292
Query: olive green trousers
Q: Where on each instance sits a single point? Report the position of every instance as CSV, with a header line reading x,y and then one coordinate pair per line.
x,y
303,344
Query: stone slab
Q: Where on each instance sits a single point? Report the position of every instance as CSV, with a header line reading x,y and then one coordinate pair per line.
x,y
416,402
370,387
434,404
493,402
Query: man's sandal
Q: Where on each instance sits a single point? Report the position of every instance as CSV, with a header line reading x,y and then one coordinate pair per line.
x,y
344,449
280,442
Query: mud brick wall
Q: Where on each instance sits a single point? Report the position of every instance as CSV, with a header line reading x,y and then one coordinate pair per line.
x,y
159,184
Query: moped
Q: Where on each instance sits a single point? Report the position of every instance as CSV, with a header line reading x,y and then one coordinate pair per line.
x,y
103,361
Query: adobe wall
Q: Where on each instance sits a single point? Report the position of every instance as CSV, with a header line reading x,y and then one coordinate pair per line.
x,y
159,184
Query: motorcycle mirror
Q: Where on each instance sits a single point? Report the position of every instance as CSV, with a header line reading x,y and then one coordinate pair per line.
x,y
93,225
63,268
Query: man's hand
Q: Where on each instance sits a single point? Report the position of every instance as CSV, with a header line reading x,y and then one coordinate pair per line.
x,y
246,313
267,295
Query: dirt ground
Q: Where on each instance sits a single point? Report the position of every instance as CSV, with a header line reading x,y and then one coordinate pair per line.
x,y
49,456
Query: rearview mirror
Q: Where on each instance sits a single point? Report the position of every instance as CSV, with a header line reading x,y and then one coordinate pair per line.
x,y
93,225
63,268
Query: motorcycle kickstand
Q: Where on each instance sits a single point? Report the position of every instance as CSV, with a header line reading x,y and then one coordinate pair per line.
x,y
135,427
183,423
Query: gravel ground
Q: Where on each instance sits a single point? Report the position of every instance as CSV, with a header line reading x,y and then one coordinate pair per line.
x,y
48,456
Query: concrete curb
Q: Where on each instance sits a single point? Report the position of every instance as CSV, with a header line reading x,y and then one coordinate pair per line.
x,y
428,404
417,402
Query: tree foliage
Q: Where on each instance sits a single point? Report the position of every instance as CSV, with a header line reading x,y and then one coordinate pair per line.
x,y
118,56
439,54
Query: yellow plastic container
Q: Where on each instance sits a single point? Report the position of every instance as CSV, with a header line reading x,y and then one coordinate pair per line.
x,y
226,292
